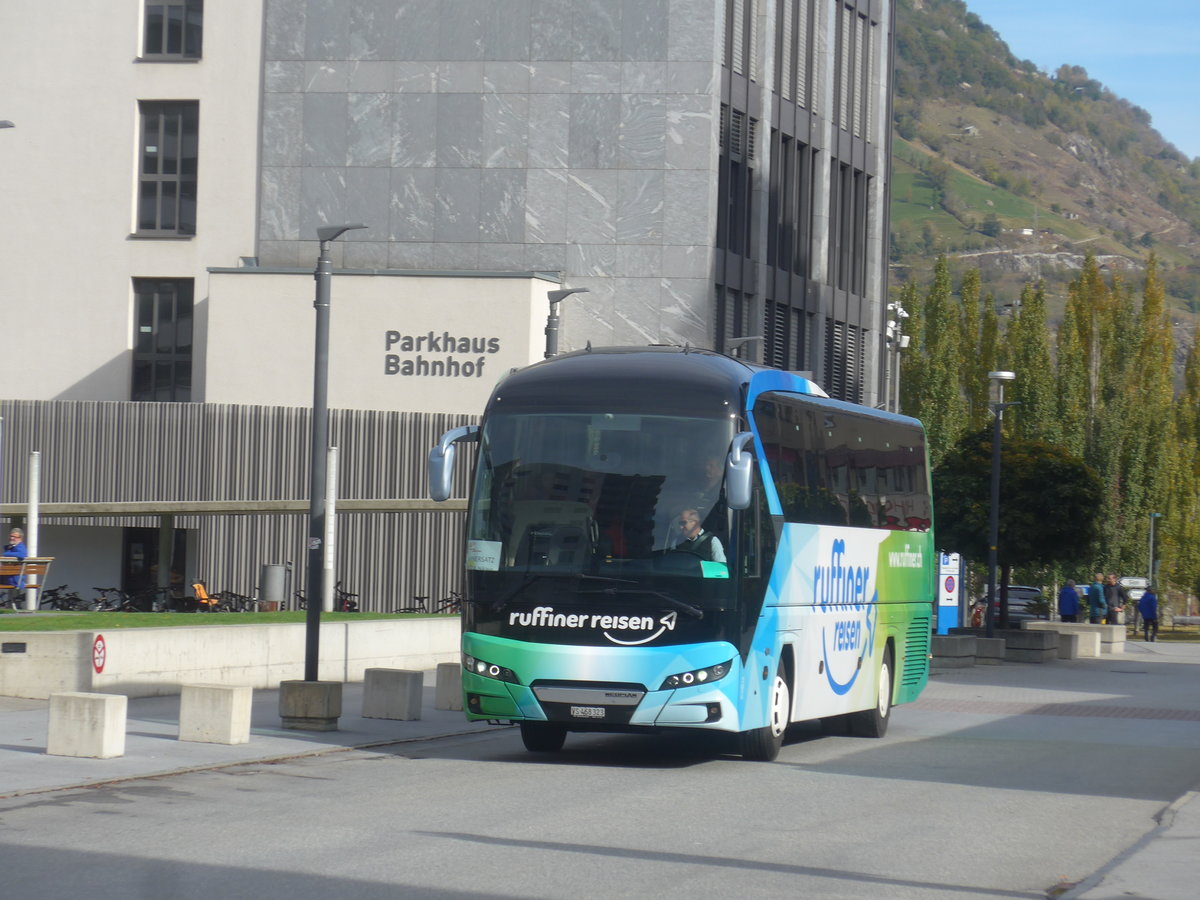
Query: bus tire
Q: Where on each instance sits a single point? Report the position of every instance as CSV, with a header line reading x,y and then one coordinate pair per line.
x,y
543,737
874,722
763,744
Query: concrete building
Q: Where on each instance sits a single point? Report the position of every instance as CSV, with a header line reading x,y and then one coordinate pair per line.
x,y
710,170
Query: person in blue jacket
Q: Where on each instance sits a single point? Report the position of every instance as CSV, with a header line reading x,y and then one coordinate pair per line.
x,y
1068,603
1148,608
1097,606
14,549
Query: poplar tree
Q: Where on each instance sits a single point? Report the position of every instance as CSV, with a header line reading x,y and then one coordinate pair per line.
x,y
1027,354
1073,346
1150,426
1179,541
942,406
912,360
989,359
974,371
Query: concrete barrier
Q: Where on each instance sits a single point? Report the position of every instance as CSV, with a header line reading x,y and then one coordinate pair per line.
x,y
392,694
1034,646
1111,637
1076,644
144,662
215,713
951,651
449,686
310,705
989,651
88,725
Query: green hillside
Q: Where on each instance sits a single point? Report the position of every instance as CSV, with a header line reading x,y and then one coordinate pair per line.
x,y
1020,172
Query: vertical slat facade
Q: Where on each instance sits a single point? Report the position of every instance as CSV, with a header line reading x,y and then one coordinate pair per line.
x,y
97,452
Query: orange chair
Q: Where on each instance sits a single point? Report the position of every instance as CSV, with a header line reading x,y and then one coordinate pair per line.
x,y
203,600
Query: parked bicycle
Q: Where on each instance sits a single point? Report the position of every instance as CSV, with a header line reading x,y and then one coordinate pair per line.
x,y
230,601
450,605
112,600
343,600
62,599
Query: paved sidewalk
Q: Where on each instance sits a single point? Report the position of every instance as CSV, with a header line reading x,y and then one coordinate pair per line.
x,y
1162,866
152,746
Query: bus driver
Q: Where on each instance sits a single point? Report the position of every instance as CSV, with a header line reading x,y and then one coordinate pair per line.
x,y
703,544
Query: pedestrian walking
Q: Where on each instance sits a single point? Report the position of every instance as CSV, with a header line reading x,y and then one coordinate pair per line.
x,y
1068,603
1148,607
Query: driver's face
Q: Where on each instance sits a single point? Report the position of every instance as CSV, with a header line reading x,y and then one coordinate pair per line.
x,y
688,525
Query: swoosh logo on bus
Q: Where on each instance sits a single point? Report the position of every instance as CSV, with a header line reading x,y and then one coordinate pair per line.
x,y
667,622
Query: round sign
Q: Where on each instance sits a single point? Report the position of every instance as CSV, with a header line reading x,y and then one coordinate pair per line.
x,y
949,584
99,653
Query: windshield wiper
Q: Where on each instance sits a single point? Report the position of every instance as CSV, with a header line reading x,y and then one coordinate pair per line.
x,y
694,611
498,605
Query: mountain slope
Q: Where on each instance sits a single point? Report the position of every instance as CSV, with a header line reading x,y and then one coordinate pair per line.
x,y
1021,173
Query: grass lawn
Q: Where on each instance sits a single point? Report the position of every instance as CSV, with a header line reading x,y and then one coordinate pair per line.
x,y
101,621
1177,633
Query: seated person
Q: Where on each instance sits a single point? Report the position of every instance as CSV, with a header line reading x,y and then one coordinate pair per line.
x,y
695,539
14,549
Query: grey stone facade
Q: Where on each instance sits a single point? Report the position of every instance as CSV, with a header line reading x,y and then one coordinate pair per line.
x,y
572,136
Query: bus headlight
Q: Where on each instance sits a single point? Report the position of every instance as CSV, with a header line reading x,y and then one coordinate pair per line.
x,y
696,676
478,666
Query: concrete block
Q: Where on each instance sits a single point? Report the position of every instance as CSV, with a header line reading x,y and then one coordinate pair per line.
x,y
215,713
989,651
940,663
310,705
449,686
1030,655
953,646
89,725
1111,637
1089,645
1071,645
392,694
1032,640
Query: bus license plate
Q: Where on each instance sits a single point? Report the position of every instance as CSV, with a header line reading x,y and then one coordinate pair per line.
x,y
587,712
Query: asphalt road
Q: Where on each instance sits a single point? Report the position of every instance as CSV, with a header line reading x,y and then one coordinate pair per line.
x,y
999,782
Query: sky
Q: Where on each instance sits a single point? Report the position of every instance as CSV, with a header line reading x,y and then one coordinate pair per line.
x,y
1145,52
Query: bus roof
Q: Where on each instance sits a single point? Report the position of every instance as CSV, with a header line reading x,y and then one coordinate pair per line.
x,y
687,380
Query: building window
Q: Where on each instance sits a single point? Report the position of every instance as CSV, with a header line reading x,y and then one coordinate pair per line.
x,y
162,340
167,168
173,29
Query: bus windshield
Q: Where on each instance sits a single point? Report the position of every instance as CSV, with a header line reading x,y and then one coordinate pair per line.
x,y
590,492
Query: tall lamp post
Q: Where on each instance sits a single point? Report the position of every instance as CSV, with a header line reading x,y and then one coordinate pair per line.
x,y
556,297
998,406
317,459
897,340
1150,573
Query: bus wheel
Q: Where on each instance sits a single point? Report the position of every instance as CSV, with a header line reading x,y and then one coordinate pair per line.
x,y
874,722
763,744
542,737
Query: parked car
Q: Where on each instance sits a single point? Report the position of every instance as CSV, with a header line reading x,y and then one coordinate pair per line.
x,y
1019,598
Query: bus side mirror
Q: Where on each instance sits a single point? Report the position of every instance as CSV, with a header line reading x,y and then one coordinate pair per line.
x,y
739,472
441,460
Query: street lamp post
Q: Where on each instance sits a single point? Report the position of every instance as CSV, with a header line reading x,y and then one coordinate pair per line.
x,y
319,441
897,340
997,379
1150,573
556,297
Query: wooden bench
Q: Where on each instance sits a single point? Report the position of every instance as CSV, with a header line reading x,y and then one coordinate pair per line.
x,y
31,567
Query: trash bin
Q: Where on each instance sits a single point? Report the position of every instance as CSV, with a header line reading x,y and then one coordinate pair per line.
x,y
270,587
